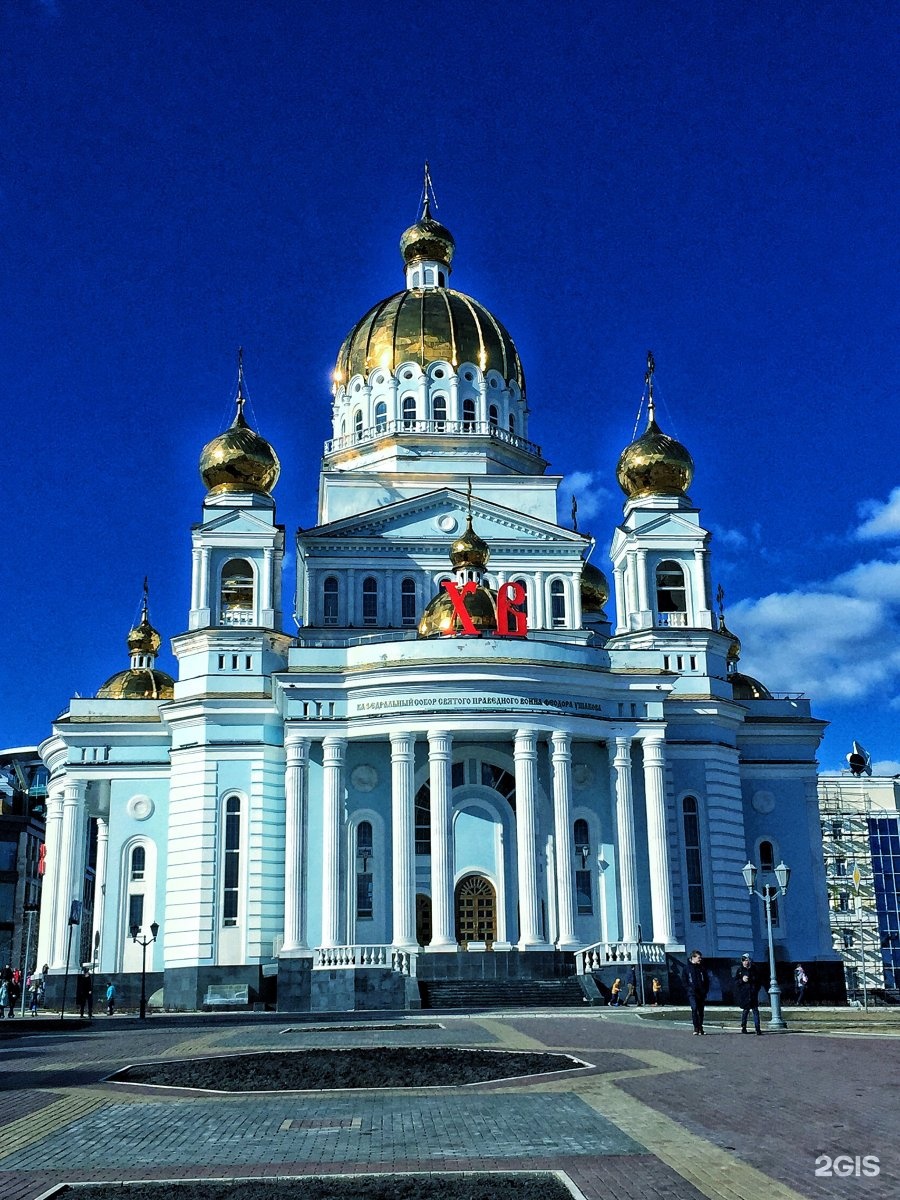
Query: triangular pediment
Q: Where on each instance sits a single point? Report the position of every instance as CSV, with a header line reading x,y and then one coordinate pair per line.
x,y
442,513
236,521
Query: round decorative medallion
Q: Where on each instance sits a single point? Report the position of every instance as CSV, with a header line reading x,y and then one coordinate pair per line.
x,y
140,807
364,777
763,802
447,523
582,775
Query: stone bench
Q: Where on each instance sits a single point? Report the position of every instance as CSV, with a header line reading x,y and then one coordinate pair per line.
x,y
227,995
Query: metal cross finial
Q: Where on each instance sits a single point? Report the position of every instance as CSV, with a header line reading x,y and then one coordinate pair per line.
x,y
720,600
574,514
427,193
648,380
469,499
240,392
145,606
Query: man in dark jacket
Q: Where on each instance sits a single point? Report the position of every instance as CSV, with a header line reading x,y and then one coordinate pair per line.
x,y
746,986
696,981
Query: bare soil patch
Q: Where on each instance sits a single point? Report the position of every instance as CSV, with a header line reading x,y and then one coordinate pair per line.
x,y
327,1070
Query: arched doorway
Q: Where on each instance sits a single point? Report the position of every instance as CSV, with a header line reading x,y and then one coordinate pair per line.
x,y
423,919
476,910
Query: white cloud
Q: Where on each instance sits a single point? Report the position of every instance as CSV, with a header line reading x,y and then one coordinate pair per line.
x,y
591,498
887,766
729,539
881,519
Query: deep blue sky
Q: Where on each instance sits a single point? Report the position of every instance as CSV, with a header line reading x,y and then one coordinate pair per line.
x,y
715,181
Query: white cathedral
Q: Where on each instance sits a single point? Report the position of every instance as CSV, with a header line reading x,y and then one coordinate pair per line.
x,y
457,766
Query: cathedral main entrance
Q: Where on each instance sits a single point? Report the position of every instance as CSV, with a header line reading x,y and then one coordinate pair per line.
x,y
476,910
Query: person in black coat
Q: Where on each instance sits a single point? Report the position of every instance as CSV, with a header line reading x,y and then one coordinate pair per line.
x,y
746,986
696,981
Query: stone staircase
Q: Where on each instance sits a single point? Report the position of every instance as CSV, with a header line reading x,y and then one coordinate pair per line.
x,y
502,993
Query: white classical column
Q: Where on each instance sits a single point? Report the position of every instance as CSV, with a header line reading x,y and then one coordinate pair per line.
x,y
296,791
643,600
333,751
660,884
537,621
634,603
526,839
71,867
625,839
562,821
195,577
403,840
266,597
50,899
100,890
440,753
702,612
204,577
621,605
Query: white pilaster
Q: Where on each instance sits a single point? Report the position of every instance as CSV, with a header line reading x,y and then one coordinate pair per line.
x,y
71,867
403,840
621,606
333,750
440,752
561,756
50,897
100,890
296,786
625,839
660,883
526,840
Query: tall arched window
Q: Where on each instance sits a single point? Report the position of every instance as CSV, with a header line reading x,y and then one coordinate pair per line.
x,y
671,594
423,818
468,415
330,601
231,860
557,604
493,416
364,879
408,602
380,417
357,424
693,861
138,862
523,584
370,600
584,889
512,423
236,601
409,412
439,411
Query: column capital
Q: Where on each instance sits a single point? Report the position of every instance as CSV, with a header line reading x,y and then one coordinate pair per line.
x,y
623,748
562,743
654,747
402,742
297,748
526,743
440,742
334,747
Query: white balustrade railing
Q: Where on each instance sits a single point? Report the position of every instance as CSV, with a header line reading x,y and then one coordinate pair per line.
x,y
604,954
331,957
454,428
672,620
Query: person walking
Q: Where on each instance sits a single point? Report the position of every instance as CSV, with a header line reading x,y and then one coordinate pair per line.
x,y
801,979
656,989
84,994
696,981
616,988
110,999
4,997
35,993
747,983
631,994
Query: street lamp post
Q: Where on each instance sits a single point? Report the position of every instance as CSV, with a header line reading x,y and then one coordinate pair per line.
x,y
31,909
782,875
144,942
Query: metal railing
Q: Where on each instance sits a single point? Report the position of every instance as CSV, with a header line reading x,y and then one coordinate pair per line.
x,y
389,429
332,957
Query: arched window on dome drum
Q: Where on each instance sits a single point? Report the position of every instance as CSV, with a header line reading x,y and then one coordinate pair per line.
x,y
236,601
523,584
671,594
409,412
439,412
493,416
138,862
231,860
512,423
357,424
330,601
442,279
468,416
364,878
558,604
380,417
370,600
408,602
693,861
429,275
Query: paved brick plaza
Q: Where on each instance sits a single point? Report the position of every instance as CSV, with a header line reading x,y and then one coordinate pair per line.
x,y
661,1114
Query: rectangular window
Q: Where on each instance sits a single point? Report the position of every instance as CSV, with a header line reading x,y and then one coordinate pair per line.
x,y
583,892
135,912
231,862
364,895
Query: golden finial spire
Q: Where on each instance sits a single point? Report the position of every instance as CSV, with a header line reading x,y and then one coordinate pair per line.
x,y
145,605
241,398
648,380
469,501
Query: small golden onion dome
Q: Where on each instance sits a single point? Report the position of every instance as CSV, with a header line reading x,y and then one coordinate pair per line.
x,y
427,239
654,465
440,618
745,687
469,550
594,589
239,460
734,649
143,639
427,325
138,683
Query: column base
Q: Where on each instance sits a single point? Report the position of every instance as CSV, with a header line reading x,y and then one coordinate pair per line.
x,y
525,947
295,952
568,946
447,947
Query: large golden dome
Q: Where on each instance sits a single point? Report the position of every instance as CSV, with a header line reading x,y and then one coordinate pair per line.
x,y
138,683
239,460
425,325
654,465
594,589
745,687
